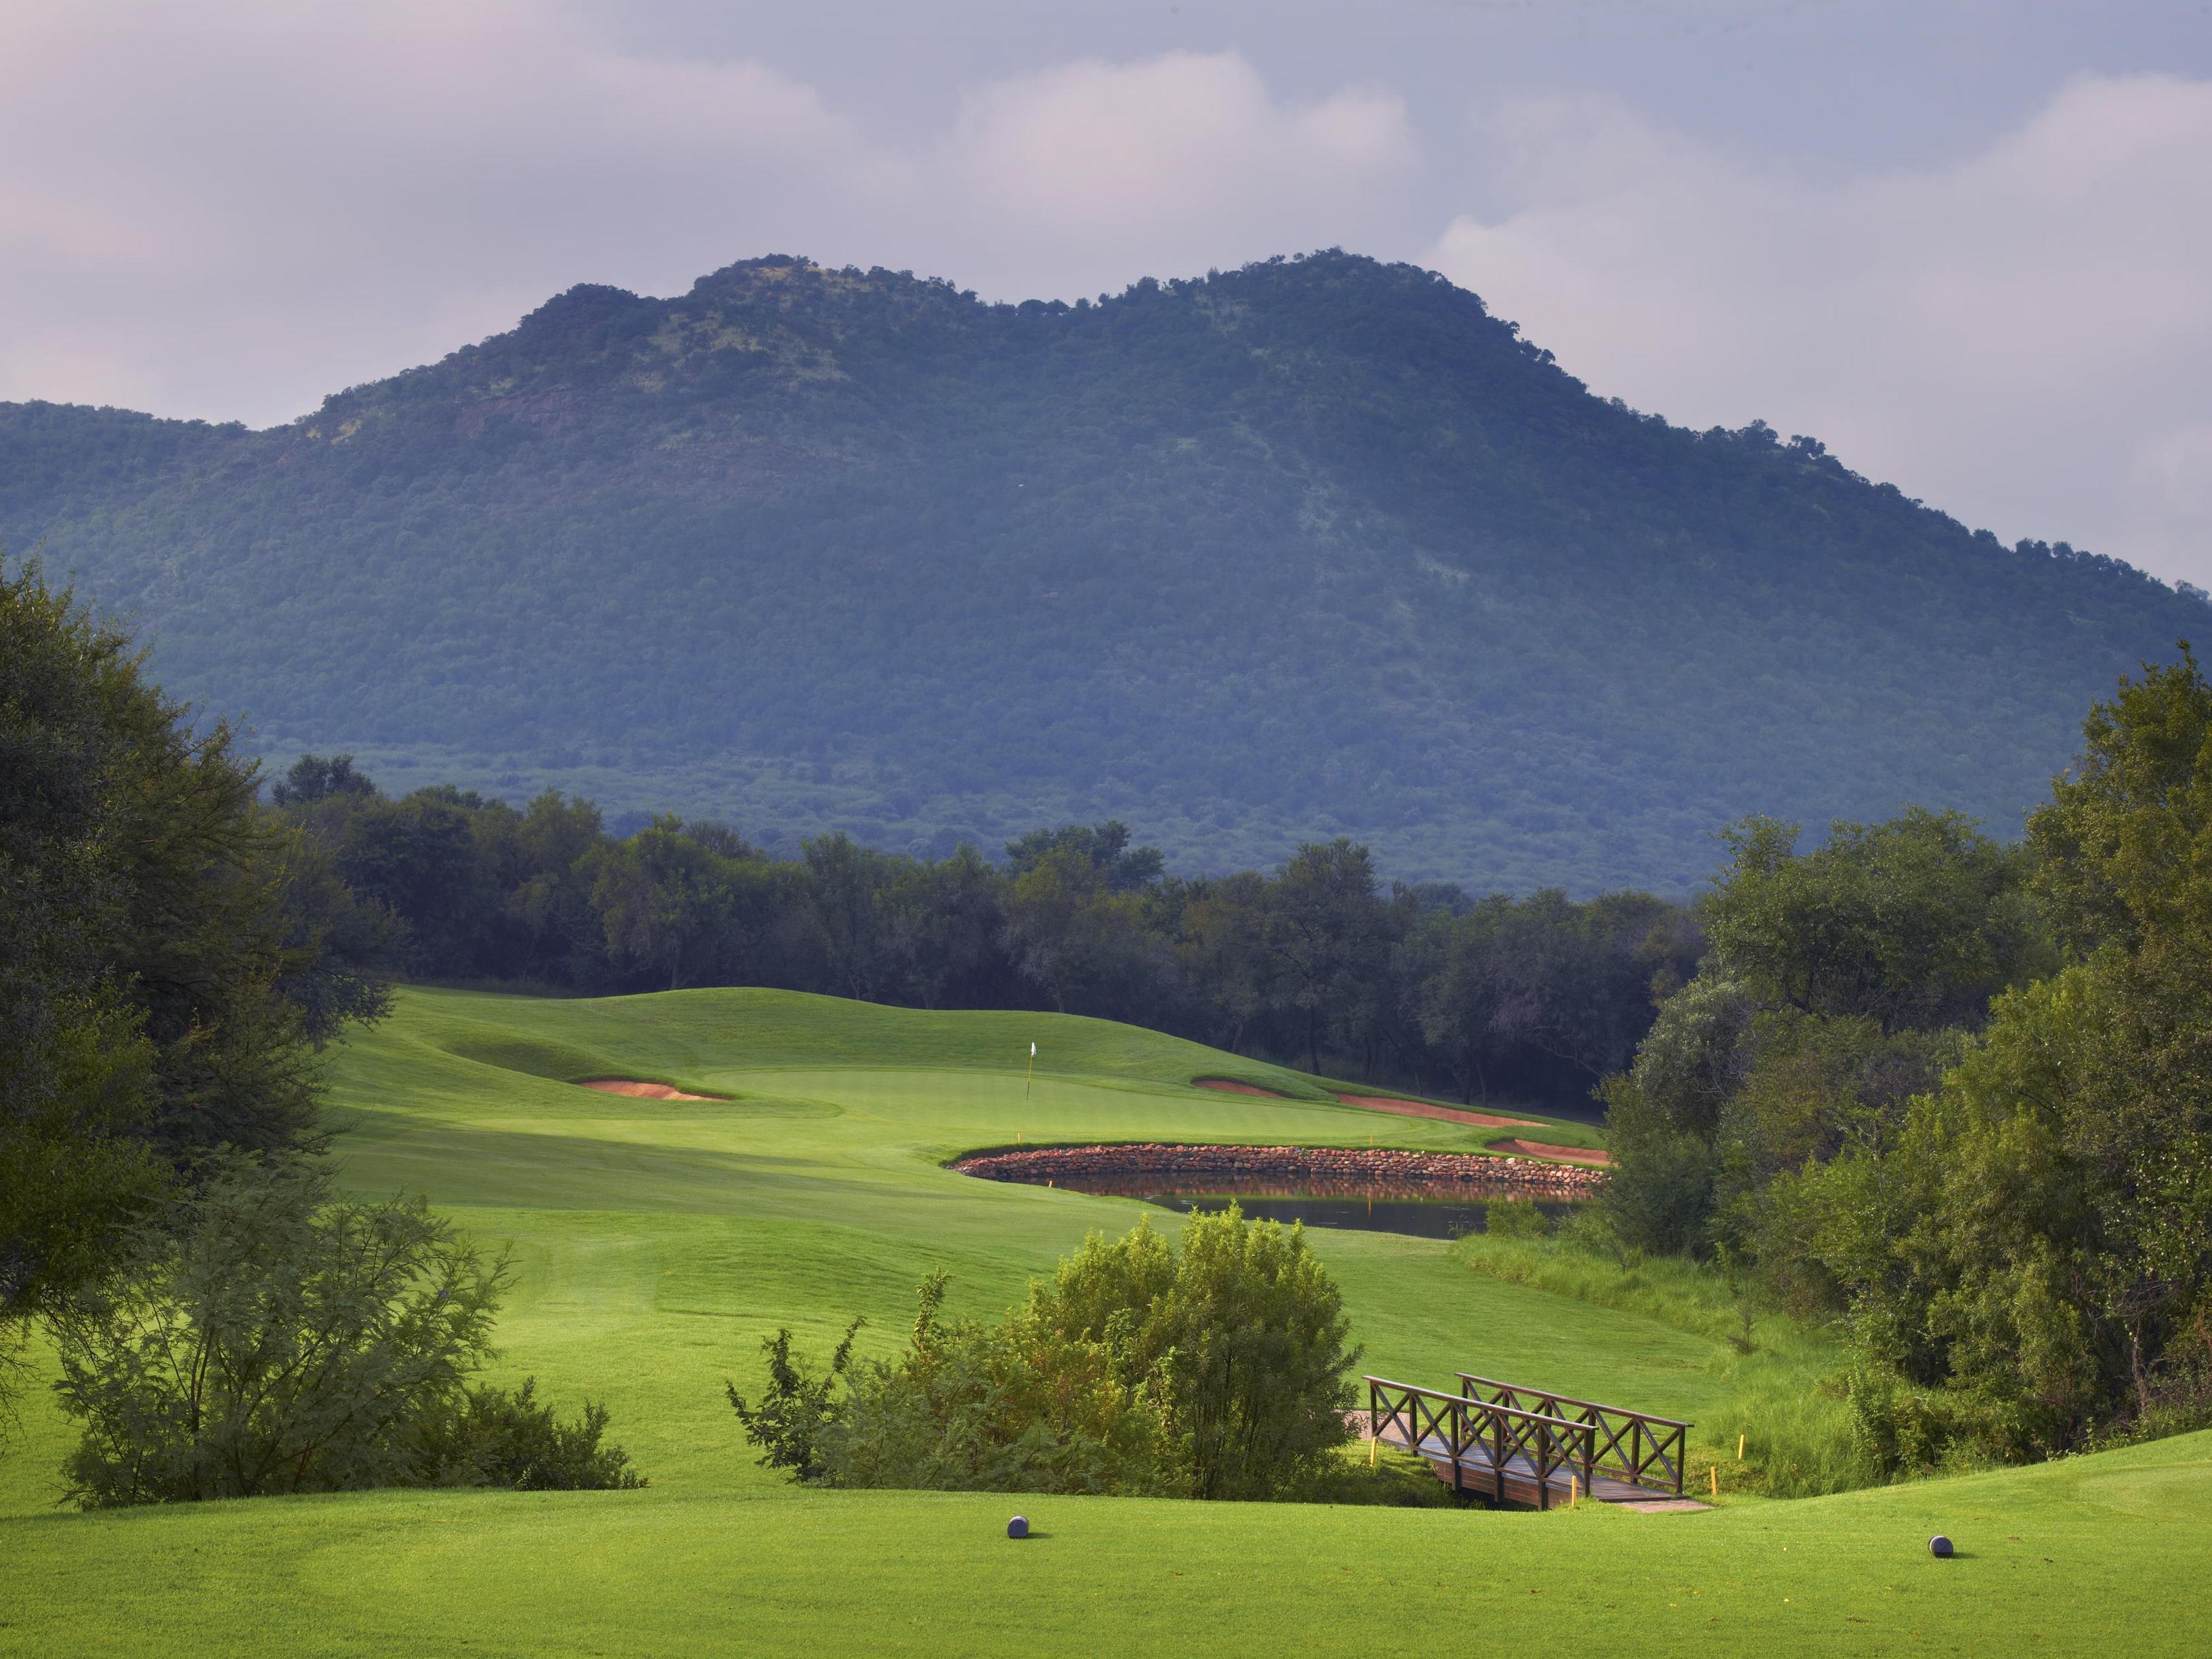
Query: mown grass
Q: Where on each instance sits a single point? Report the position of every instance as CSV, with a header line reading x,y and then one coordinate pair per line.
x,y
656,1242
2069,1559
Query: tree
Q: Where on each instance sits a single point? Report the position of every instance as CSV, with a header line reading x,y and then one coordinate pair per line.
x,y
1087,948
1223,952
420,857
1118,866
844,881
1328,936
1916,922
943,922
314,778
665,901
168,952
546,898
76,1085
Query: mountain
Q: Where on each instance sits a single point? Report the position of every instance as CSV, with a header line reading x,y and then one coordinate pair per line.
x,y
1318,546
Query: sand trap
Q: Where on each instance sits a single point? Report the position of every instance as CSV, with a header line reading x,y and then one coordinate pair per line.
x,y
623,1085
1542,1149
1449,1114
1229,1086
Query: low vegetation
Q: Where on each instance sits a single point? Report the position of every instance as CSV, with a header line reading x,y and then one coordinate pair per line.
x,y
1213,1367
261,1336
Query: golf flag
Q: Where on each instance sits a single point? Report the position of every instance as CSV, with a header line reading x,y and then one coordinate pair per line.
x,y
1033,1051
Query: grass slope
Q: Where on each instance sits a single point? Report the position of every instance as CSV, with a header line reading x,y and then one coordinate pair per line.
x,y
657,1241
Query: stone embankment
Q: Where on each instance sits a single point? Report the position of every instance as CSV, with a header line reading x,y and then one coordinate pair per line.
x,y
1192,1166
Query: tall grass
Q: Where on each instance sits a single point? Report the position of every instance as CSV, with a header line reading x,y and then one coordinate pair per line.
x,y
1785,1403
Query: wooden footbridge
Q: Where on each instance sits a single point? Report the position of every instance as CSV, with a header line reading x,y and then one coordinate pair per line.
x,y
1514,1445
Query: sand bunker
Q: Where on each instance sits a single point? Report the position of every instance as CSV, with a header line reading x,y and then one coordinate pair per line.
x,y
1229,1086
1541,1149
1448,1113
623,1085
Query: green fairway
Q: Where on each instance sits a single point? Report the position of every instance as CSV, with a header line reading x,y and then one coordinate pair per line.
x,y
656,1242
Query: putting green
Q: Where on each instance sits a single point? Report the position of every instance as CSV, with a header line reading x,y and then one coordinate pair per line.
x,y
656,1242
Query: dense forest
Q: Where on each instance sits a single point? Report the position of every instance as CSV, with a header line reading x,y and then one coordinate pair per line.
x,y
1315,549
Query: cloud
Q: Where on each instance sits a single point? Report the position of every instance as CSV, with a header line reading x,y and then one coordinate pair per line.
x,y
1186,155
2022,337
228,210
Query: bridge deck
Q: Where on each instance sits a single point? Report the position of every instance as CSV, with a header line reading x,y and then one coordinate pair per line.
x,y
1478,1474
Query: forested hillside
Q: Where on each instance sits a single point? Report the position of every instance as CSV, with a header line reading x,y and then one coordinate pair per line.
x,y
1317,547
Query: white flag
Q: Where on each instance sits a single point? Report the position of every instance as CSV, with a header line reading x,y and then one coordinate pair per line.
x,y
1033,1051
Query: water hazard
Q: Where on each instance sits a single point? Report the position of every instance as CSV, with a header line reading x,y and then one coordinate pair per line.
x,y
1421,1209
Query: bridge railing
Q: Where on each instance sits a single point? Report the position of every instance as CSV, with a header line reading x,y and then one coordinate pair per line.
x,y
1633,1446
1431,1423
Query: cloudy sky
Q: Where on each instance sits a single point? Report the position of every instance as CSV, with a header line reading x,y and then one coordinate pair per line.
x,y
1967,242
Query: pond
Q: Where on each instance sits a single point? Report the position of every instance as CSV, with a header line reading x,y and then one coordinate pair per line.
x,y
1423,1210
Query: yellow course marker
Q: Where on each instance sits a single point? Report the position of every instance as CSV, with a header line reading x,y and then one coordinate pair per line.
x,y
1716,1480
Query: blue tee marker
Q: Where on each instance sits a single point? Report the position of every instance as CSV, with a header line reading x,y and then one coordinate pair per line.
x,y
1940,1546
1019,1528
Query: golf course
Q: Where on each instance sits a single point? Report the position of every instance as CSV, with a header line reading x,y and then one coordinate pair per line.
x,y
656,1242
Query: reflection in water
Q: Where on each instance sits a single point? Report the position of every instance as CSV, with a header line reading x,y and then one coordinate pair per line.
x,y
1424,1209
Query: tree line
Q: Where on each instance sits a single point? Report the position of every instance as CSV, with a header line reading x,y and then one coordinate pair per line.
x,y
1320,962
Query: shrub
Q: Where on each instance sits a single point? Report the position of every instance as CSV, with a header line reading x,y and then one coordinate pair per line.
x,y
1246,1335
1659,1196
263,1337
796,1410
1516,1217
267,1339
1016,1407
506,1437
1218,1370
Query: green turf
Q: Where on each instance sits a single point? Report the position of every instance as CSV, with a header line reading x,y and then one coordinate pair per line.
x,y
656,1242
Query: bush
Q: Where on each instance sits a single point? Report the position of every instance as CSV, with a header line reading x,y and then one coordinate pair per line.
x,y
505,1438
1516,1217
263,1338
1218,1370
1018,1406
1246,1336
797,1411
